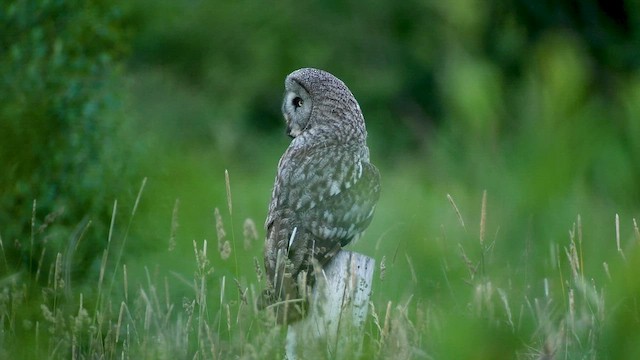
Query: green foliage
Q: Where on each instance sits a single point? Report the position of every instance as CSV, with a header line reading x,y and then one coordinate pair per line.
x,y
62,148
411,65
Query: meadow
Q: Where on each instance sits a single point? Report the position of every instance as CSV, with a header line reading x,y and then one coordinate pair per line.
x,y
182,267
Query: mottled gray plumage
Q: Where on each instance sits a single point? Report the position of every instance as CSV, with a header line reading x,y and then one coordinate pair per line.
x,y
325,189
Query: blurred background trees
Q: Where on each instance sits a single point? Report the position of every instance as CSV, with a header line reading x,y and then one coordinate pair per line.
x,y
537,102
413,65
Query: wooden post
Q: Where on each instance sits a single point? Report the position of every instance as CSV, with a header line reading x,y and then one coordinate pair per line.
x,y
333,328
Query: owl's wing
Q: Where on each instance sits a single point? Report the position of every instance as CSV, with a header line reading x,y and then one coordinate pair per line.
x,y
323,198
345,193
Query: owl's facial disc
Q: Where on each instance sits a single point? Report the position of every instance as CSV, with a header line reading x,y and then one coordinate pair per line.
x,y
296,109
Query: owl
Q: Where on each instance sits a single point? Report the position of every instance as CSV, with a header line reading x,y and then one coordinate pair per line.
x,y
325,190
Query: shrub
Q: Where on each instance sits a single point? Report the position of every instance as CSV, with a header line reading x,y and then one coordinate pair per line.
x,y
62,147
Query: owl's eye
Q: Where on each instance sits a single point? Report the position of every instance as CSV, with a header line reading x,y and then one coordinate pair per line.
x,y
297,102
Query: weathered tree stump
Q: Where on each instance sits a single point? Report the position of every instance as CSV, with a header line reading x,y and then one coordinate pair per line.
x,y
333,328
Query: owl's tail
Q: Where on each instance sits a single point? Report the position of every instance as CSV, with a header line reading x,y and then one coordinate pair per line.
x,y
287,304
286,294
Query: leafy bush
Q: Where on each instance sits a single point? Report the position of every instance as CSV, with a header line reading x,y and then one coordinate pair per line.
x,y
62,150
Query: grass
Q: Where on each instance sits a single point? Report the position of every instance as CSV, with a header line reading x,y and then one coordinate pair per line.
x,y
464,301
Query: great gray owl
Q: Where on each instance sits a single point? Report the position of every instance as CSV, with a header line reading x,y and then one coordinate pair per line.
x,y
325,189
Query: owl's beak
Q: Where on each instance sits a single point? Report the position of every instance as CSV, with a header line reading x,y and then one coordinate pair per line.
x,y
286,121
288,132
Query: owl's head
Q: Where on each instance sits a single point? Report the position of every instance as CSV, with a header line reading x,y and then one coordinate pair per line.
x,y
314,98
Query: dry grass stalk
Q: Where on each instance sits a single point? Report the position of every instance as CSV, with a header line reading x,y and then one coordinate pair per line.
x,y
174,225
123,306
572,307
224,247
546,288
470,266
387,323
137,202
483,217
505,302
243,293
32,238
618,246
572,256
38,271
227,184
249,232
383,267
453,203
606,270
258,269
228,312
414,277
580,245
125,282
